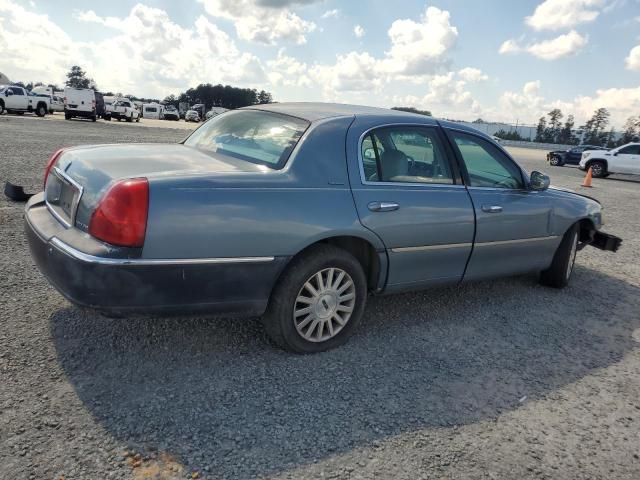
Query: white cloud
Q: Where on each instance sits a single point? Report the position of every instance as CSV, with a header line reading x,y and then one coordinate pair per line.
x,y
559,47
48,46
421,47
632,62
262,21
560,14
287,71
335,13
358,31
352,72
509,46
470,74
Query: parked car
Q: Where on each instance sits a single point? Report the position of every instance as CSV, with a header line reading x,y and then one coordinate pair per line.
x,y
624,159
57,104
558,158
296,212
171,113
192,116
15,99
80,102
215,111
153,111
124,109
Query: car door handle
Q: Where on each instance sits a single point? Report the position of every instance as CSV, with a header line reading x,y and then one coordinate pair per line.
x,y
383,206
492,208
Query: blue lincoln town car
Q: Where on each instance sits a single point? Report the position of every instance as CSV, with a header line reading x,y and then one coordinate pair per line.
x,y
296,212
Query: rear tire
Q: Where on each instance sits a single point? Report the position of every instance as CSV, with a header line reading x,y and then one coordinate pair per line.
x,y
41,111
301,321
559,273
94,118
1,107
598,169
67,116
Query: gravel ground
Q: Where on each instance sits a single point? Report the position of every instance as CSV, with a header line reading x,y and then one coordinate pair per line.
x,y
502,379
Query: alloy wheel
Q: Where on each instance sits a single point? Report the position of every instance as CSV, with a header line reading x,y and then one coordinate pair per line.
x,y
324,305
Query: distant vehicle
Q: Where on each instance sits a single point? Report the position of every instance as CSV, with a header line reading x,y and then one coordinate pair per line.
x,y
100,108
183,107
572,156
15,99
57,103
624,159
496,139
171,113
80,102
192,116
201,108
153,111
298,212
214,112
124,109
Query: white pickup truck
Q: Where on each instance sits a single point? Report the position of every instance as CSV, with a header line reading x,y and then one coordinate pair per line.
x,y
624,159
123,109
15,99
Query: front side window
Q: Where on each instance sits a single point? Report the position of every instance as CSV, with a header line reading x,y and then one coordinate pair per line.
x,y
486,165
256,136
405,155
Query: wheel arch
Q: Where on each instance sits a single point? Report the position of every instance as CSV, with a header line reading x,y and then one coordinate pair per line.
x,y
373,260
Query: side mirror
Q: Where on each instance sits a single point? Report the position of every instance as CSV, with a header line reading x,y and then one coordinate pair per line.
x,y
539,181
369,154
7,93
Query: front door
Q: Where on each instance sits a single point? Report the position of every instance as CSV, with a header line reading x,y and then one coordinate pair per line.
x,y
628,160
17,99
513,229
407,191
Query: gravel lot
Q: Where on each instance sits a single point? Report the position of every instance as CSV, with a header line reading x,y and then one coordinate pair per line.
x,y
503,379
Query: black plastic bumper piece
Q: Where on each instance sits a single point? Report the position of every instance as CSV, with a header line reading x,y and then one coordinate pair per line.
x,y
606,241
16,192
158,289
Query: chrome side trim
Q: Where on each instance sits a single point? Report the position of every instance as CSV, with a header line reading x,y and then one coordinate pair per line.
x,y
448,246
431,247
87,258
516,241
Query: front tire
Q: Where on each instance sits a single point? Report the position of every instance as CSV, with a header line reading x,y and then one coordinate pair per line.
x,y
555,161
318,301
559,273
598,169
1,107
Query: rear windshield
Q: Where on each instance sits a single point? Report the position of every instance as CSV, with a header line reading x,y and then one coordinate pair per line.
x,y
264,138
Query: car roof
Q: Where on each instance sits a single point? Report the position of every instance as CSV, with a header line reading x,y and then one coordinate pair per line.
x,y
312,111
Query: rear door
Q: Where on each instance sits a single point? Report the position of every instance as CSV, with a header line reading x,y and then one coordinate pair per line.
x,y
409,192
513,223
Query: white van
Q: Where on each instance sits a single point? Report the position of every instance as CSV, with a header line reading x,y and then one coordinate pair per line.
x,y
153,111
79,102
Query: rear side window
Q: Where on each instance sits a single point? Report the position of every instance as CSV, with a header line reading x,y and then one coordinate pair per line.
x,y
486,165
405,154
256,136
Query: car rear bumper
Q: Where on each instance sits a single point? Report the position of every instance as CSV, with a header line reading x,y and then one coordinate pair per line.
x,y
95,275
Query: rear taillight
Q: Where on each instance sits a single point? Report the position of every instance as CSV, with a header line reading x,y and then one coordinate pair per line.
x,y
52,161
121,215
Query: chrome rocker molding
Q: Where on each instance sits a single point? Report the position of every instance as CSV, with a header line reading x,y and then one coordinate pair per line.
x,y
467,245
85,257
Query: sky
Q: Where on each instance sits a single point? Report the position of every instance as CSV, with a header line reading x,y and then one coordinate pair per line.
x,y
501,60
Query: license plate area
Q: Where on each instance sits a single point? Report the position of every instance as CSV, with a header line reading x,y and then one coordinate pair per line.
x,y
62,196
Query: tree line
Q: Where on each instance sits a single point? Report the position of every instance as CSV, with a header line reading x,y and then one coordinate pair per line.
x,y
596,131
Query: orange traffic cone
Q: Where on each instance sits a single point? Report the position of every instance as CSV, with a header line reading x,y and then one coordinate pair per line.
x,y
587,178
